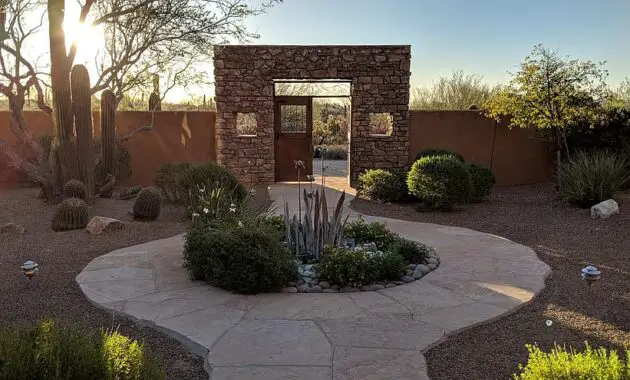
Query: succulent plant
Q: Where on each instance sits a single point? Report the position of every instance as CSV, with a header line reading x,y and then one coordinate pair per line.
x,y
74,189
148,204
71,214
108,133
82,109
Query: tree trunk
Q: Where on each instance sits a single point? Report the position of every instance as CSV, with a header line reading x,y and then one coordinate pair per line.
x,y
62,161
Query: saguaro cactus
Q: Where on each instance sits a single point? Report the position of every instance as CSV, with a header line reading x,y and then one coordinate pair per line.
x,y
154,98
82,108
108,132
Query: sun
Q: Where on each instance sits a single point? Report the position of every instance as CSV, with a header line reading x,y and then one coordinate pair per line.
x,y
89,39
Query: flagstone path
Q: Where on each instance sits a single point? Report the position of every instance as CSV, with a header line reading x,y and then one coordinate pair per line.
x,y
376,335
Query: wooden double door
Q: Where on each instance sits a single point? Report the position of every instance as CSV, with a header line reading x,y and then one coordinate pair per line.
x,y
293,125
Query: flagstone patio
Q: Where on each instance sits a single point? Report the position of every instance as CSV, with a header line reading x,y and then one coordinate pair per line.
x,y
375,335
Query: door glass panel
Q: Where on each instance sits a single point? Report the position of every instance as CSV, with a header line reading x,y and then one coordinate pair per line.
x,y
292,118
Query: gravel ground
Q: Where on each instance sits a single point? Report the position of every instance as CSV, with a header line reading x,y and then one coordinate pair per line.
x,y
565,238
53,293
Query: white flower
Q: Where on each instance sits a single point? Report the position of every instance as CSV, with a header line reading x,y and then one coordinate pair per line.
x,y
202,190
232,207
205,210
240,224
194,214
252,192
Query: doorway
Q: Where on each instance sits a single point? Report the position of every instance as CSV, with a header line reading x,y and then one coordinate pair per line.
x,y
311,116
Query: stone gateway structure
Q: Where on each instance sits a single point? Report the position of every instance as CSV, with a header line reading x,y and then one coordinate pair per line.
x,y
245,74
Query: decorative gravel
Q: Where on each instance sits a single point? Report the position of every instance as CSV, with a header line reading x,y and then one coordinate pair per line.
x,y
53,292
566,239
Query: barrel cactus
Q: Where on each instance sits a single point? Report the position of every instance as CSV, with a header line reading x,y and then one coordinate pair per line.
x,y
71,214
74,189
148,204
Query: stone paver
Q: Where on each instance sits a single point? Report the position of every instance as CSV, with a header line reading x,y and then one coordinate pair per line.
x,y
368,335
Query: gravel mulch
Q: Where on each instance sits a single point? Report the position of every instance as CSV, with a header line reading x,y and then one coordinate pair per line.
x,y
53,293
565,238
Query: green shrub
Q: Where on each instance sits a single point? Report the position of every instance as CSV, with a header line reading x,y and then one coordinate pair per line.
x,y
184,183
483,180
438,152
358,267
274,222
383,185
375,232
413,252
50,352
335,153
244,259
560,364
440,181
589,178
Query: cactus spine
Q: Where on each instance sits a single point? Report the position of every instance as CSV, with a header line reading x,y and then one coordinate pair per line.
x,y
82,109
148,204
71,214
75,189
108,133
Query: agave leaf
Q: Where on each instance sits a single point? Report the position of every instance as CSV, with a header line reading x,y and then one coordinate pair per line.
x,y
317,227
287,225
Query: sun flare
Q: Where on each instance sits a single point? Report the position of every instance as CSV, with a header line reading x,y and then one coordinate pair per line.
x,y
89,39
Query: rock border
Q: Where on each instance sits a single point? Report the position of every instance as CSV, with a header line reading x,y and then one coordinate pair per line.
x,y
413,273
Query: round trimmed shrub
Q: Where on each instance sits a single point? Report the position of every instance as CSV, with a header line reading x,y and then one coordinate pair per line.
x,y
438,152
244,260
483,180
383,185
413,252
440,181
365,233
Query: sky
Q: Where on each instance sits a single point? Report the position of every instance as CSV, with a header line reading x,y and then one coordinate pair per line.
x,y
488,37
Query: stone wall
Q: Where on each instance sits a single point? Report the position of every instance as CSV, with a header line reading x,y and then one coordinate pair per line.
x,y
244,74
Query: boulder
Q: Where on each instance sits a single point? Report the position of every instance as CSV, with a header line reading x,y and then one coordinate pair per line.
x,y
420,271
605,209
101,224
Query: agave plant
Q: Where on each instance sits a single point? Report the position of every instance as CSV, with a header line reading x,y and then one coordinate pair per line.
x,y
309,235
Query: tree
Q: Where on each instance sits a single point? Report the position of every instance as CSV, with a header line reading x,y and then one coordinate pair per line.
x,y
551,92
620,98
457,92
144,37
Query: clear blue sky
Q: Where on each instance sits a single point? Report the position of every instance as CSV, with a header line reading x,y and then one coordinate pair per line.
x,y
488,37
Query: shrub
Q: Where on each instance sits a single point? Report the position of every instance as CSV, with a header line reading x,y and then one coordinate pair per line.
x,y
383,185
483,180
180,183
358,267
47,351
246,259
438,152
440,181
274,222
411,251
589,178
335,153
374,232
561,364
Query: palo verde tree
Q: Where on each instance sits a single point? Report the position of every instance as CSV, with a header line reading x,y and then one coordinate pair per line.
x,y
551,92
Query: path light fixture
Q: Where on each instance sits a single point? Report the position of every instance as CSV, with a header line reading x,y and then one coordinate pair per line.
x,y
591,274
30,268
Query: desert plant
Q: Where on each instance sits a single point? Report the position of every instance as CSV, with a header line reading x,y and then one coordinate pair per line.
x,y
560,364
411,251
169,180
129,192
308,236
148,204
275,222
383,185
375,232
335,153
440,181
74,189
71,214
483,180
358,267
589,178
108,133
48,351
438,152
247,259
82,110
